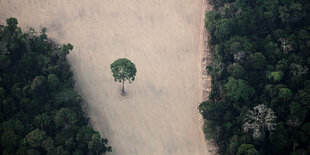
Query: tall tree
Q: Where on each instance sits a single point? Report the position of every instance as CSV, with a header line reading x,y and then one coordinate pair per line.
x,y
123,69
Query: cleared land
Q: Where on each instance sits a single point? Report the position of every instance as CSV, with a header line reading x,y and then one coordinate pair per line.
x,y
159,115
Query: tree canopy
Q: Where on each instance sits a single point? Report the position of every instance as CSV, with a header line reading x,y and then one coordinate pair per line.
x,y
40,113
259,100
123,70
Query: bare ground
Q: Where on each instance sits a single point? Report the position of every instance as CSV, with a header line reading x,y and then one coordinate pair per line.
x,y
162,37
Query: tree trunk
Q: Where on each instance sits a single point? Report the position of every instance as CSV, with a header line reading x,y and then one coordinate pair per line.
x,y
123,89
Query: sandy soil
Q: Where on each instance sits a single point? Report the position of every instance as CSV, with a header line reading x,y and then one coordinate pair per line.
x,y
162,37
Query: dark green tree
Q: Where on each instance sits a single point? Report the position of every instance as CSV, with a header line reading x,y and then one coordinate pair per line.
x,y
247,149
123,69
236,71
10,140
42,121
223,28
65,118
35,138
12,24
52,82
239,91
97,144
276,76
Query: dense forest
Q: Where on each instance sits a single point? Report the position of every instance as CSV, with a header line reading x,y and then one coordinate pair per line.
x,y
41,113
260,98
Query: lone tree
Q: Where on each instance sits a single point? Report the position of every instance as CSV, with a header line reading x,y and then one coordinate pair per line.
x,y
123,69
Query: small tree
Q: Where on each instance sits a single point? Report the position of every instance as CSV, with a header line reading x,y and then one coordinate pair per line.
x,y
123,69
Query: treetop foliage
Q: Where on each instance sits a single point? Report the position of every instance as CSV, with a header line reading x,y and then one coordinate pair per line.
x,y
40,113
123,69
261,60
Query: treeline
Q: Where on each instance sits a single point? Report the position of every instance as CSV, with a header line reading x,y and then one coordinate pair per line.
x,y
40,112
260,98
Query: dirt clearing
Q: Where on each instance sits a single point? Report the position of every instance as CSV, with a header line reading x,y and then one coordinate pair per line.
x,y
159,115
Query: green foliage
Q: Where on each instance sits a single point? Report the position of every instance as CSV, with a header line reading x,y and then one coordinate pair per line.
x,y
40,112
66,96
42,121
285,94
5,62
10,140
236,71
297,114
210,110
84,134
35,138
65,118
211,20
123,69
260,52
282,65
237,44
48,144
38,84
223,28
257,61
238,89
97,144
233,145
276,76
247,149
53,82
59,150
12,24
14,125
